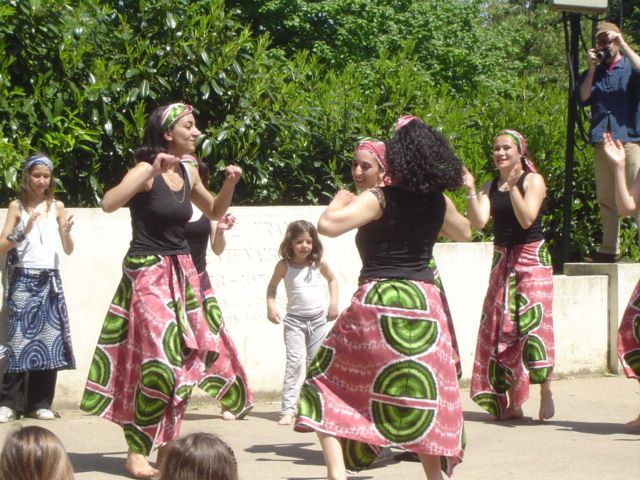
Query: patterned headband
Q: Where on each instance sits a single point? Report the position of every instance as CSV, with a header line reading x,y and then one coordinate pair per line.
x,y
376,148
38,160
403,120
173,113
521,143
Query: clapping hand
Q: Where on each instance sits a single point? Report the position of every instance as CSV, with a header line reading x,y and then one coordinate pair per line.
x,y
614,149
468,181
512,179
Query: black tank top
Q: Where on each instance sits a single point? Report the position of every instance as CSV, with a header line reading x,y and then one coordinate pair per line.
x,y
197,235
507,230
400,243
158,218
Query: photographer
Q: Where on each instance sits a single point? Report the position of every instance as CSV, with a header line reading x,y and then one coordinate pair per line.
x,y
611,86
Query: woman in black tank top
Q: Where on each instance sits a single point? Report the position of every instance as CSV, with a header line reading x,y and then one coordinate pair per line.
x,y
403,392
155,343
515,341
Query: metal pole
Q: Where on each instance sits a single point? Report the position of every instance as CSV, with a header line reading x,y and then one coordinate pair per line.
x,y
572,117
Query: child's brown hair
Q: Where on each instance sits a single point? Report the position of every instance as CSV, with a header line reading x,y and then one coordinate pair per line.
x,y
34,453
199,456
294,229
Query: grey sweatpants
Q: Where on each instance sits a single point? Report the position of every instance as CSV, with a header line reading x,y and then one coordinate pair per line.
x,y
301,335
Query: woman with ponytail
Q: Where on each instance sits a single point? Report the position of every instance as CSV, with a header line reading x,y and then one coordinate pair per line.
x,y
515,342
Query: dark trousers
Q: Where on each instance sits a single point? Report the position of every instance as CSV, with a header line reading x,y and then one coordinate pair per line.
x,y
40,388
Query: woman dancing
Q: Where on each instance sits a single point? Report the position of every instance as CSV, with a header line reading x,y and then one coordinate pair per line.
x,y
515,341
384,376
156,344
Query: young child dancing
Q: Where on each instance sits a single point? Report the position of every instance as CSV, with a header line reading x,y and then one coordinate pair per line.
x,y
39,342
34,453
305,322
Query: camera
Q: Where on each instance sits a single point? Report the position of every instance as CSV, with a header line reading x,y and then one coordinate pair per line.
x,y
602,54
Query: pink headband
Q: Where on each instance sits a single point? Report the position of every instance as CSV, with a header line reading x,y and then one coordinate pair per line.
x,y
520,141
403,120
375,148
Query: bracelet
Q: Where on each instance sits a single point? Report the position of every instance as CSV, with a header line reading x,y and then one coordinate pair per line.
x,y
472,195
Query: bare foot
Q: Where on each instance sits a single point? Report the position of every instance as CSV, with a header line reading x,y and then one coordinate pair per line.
x,y
511,413
227,415
633,424
286,419
138,466
547,408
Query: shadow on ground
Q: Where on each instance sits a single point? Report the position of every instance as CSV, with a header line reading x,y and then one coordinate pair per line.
x,y
272,416
298,453
596,428
488,419
112,463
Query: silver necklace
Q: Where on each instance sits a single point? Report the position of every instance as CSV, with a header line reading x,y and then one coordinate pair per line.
x,y
173,194
41,230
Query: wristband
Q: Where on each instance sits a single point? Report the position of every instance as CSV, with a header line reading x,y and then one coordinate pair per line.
x,y
16,236
472,195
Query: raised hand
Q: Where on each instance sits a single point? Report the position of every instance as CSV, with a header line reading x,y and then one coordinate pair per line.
x,y
614,149
468,181
592,59
164,162
344,197
32,219
512,179
68,223
226,222
232,174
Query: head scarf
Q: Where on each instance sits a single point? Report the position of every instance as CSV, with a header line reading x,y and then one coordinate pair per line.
x,y
521,143
38,159
173,113
403,120
376,148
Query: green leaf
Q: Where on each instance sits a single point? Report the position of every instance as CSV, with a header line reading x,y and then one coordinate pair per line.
x,y
171,22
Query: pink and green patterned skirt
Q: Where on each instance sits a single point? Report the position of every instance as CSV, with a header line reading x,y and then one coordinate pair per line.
x,y
515,341
447,311
226,380
629,336
158,341
384,377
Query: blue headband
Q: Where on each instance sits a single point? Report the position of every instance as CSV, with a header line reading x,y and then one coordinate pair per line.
x,y
38,160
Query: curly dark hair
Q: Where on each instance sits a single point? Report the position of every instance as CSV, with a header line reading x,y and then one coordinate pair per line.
x,y
419,159
295,229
